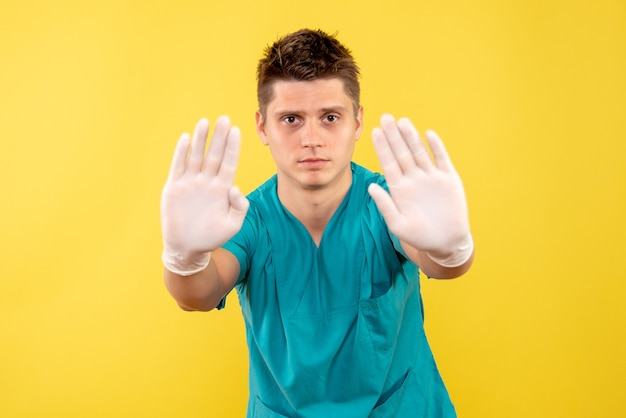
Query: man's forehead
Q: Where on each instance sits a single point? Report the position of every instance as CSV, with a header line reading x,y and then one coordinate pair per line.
x,y
322,94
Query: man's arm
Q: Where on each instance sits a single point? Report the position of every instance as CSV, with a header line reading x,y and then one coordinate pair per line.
x,y
201,209
204,290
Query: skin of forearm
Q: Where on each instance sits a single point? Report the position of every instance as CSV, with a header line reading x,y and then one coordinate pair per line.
x,y
434,270
199,292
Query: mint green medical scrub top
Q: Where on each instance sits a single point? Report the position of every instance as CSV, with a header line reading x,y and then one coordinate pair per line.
x,y
334,331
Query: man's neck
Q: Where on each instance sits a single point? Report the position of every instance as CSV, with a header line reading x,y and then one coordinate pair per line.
x,y
314,207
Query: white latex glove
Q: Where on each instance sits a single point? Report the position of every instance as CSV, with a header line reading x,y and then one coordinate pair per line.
x,y
201,209
426,206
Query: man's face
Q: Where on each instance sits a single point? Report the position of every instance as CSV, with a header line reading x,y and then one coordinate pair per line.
x,y
311,129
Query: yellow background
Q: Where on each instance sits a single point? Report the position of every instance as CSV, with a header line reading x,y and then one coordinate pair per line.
x,y
528,96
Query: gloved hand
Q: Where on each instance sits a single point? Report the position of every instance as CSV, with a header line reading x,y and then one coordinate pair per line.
x,y
426,206
201,209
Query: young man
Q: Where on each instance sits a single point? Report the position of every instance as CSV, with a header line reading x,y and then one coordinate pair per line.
x,y
324,255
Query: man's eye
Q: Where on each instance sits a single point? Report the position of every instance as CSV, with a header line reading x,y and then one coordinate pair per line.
x,y
290,119
332,118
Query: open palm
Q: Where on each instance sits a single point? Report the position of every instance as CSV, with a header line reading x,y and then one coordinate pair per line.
x,y
426,206
200,207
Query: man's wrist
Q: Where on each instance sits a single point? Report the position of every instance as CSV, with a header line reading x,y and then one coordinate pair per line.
x,y
185,266
459,256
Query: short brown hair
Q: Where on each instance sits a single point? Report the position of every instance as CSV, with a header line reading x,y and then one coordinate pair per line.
x,y
306,55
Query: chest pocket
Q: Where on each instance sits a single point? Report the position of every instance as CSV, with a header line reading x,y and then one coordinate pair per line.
x,y
384,316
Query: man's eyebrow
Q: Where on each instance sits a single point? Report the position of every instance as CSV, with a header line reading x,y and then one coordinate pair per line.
x,y
329,109
338,109
282,112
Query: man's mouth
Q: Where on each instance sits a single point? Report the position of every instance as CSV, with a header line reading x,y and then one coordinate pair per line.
x,y
313,162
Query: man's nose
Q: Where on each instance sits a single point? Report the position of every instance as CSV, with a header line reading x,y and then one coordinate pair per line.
x,y
311,134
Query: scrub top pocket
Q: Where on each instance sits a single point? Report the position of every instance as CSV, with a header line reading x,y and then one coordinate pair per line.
x,y
403,402
384,315
262,411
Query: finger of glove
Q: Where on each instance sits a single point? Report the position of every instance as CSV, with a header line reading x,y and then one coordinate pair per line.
x,y
230,157
237,209
177,169
215,154
387,159
198,143
442,159
238,202
385,205
398,143
418,149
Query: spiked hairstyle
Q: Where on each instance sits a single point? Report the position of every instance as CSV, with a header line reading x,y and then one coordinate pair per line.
x,y
306,55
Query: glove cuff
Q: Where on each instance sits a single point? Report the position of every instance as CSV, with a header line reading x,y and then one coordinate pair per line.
x,y
459,256
179,265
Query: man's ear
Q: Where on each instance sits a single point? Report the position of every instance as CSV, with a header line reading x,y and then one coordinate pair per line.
x,y
359,123
260,127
